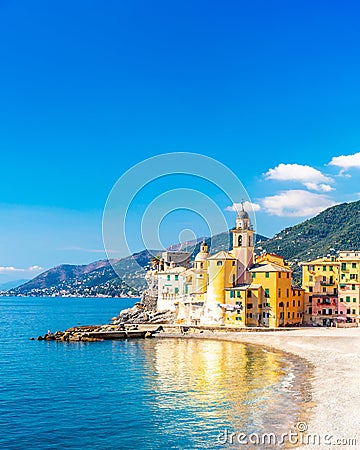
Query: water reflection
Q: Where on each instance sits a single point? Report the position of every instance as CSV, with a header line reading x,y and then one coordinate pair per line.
x,y
202,386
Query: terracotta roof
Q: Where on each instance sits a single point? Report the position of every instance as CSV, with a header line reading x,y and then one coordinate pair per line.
x,y
269,267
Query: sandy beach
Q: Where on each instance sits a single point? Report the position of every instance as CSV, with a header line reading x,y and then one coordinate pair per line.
x,y
335,357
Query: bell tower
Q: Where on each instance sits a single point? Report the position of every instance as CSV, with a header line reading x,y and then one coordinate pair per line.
x,y
243,246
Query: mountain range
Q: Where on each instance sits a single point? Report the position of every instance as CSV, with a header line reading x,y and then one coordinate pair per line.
x,y
336,228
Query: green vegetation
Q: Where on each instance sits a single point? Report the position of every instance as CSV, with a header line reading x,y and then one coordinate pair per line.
x,y
337,228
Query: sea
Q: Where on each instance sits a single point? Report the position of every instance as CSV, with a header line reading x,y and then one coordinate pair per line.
x,y
134,394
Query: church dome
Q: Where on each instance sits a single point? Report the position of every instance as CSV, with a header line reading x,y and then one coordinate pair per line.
x,y
201,256
203,253
243,215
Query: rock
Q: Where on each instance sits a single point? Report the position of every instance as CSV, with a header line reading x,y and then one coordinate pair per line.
x,y
39,338
49,337
32,339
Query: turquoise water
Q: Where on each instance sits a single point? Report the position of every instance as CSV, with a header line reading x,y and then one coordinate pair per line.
x,y
136,394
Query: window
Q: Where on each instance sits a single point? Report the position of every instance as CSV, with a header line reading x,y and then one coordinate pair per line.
x,y
267,274
234,263
324,268
310,310
353,265
279,292
293,315
341,300
288,315
293,303
249,306
324,289
353,287
176,277
219,263
267,293
248,294
298,302
311,278
288,275
287,304
168,277
232,294
310,289
348,311
343,266
238,294
279,274
287,292
354,300
331,268
238,318
176,290
249,315
347,299
253,274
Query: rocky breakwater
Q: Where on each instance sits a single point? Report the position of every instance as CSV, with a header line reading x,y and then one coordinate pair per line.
x,y
95,333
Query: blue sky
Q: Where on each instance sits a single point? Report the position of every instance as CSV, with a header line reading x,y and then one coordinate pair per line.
x,y
89,89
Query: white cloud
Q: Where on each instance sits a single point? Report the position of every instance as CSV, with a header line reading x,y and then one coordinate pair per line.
x,y
248,206
11,269
346,161
319,187
309,176
296,203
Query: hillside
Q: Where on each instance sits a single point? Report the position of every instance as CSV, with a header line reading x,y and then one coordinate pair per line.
x,y
91,280
337,228
100,279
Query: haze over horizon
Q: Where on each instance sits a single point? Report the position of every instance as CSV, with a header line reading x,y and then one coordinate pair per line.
x,y
90,89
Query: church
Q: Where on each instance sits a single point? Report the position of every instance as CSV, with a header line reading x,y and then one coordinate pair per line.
x,y
229,288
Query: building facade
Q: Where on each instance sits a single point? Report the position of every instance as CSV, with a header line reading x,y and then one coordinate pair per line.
x,y
230,288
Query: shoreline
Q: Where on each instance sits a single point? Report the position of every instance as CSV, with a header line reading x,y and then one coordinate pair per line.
x,y
334,357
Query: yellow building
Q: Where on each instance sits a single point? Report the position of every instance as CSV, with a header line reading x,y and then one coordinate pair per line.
x,y
320,282
282,304
233,288
349,284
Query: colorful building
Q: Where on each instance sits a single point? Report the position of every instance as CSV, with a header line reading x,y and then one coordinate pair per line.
x,y
349,297
331,287
232,288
